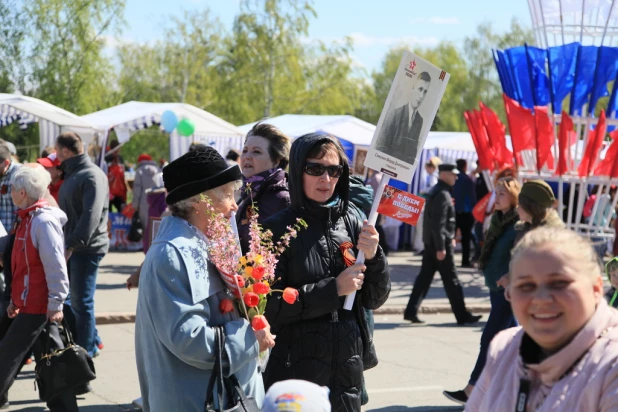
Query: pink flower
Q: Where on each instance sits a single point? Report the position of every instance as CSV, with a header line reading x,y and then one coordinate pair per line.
x,y
226,306
251,299
290,295
259,322
258,272
261,288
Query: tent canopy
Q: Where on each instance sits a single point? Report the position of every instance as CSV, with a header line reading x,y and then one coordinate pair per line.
x,y
132,116
52,120
349,128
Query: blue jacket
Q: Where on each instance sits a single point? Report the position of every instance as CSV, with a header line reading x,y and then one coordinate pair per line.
x,y
498,263
464,193
179,295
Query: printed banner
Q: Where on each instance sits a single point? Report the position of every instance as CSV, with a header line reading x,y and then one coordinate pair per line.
x,y
401,205
119,227
407,117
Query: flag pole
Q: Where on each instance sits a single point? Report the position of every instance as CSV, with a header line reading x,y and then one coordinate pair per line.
x,y
371,219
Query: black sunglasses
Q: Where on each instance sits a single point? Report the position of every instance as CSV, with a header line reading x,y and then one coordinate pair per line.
x,y
316,169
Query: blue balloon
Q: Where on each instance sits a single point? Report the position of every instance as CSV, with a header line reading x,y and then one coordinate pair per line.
x,y
169,121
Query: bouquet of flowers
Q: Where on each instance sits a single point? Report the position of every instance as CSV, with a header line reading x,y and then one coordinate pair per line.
x,y
251,276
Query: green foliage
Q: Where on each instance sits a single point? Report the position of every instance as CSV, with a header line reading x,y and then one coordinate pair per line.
x,y
263,67
151,141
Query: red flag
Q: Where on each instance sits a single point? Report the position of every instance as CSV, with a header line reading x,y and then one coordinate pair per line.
x,y
497,136
479,143
521,125
614,172
544,138
607,165
595,141
483,137
566,138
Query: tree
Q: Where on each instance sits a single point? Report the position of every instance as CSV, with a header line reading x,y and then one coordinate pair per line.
x,y
67,37
474,77
483,73
179,68
12,36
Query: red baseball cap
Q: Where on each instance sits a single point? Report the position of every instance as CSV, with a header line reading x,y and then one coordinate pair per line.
x,y
49,161
143,157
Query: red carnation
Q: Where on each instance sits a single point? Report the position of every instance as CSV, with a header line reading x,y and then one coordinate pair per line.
x,y
259,322
226,306
251,299
261,288
240,280
290,295
258,272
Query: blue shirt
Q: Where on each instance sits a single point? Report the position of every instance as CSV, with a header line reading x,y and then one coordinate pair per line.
x,y
7,208
464,193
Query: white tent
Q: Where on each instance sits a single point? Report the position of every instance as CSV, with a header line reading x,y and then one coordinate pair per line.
x,y
349,128
52,120
132,116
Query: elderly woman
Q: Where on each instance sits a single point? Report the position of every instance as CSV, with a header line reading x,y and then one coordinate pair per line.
x,y
265,186
40,282
494,263
180,293
317,340
563,356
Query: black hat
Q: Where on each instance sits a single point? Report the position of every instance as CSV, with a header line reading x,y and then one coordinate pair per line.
x,y
195,172
447,167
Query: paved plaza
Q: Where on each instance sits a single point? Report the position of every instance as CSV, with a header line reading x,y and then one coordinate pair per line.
x,y
416,362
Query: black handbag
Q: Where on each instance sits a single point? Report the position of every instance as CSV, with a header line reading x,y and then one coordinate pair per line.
x,y
226,388
64,369
137,229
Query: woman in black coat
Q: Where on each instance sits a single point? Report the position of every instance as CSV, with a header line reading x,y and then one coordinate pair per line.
x,y
317,340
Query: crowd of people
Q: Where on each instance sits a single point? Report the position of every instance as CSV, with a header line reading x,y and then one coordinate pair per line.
x,y
549,341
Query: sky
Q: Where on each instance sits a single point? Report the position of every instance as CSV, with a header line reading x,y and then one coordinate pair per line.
x,y
375,25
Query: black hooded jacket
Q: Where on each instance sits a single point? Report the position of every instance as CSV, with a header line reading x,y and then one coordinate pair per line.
x,y
317,340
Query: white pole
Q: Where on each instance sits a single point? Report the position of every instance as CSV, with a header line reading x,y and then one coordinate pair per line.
x,y
570,223
235,230
561,196
371,219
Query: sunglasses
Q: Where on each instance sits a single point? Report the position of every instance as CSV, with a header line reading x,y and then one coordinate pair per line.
x,y
316,169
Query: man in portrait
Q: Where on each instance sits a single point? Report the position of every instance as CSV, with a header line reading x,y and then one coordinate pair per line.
x,y
402,127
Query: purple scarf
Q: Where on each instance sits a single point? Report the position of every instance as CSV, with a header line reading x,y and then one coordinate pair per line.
x,y
255,183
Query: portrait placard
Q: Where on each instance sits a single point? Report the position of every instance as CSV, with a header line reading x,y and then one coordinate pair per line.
x,y
407,116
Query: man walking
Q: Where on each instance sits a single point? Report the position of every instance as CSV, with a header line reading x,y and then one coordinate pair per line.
x,y
7,211
438,237
84,197
465,199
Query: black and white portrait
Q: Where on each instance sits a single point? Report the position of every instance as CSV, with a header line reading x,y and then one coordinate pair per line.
x,y
401,130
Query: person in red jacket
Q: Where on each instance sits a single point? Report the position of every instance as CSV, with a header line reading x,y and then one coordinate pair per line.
x,y
51,164
40,282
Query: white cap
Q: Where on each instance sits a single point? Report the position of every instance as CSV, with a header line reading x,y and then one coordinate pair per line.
x,y
296,396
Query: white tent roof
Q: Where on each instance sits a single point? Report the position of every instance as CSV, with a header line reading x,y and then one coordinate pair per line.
x,y
35,109
357,131
350,128
52,120
131,115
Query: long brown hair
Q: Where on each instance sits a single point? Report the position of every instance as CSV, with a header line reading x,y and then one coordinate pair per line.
x,y
512,186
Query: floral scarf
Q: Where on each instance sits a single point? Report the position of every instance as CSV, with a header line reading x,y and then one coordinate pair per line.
x,y
499,222
255,182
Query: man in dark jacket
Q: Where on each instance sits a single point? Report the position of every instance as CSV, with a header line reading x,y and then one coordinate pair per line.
x,y
438,237
84,197
318,340
465,198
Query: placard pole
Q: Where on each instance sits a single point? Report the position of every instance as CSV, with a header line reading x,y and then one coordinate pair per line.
x,y
371,219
